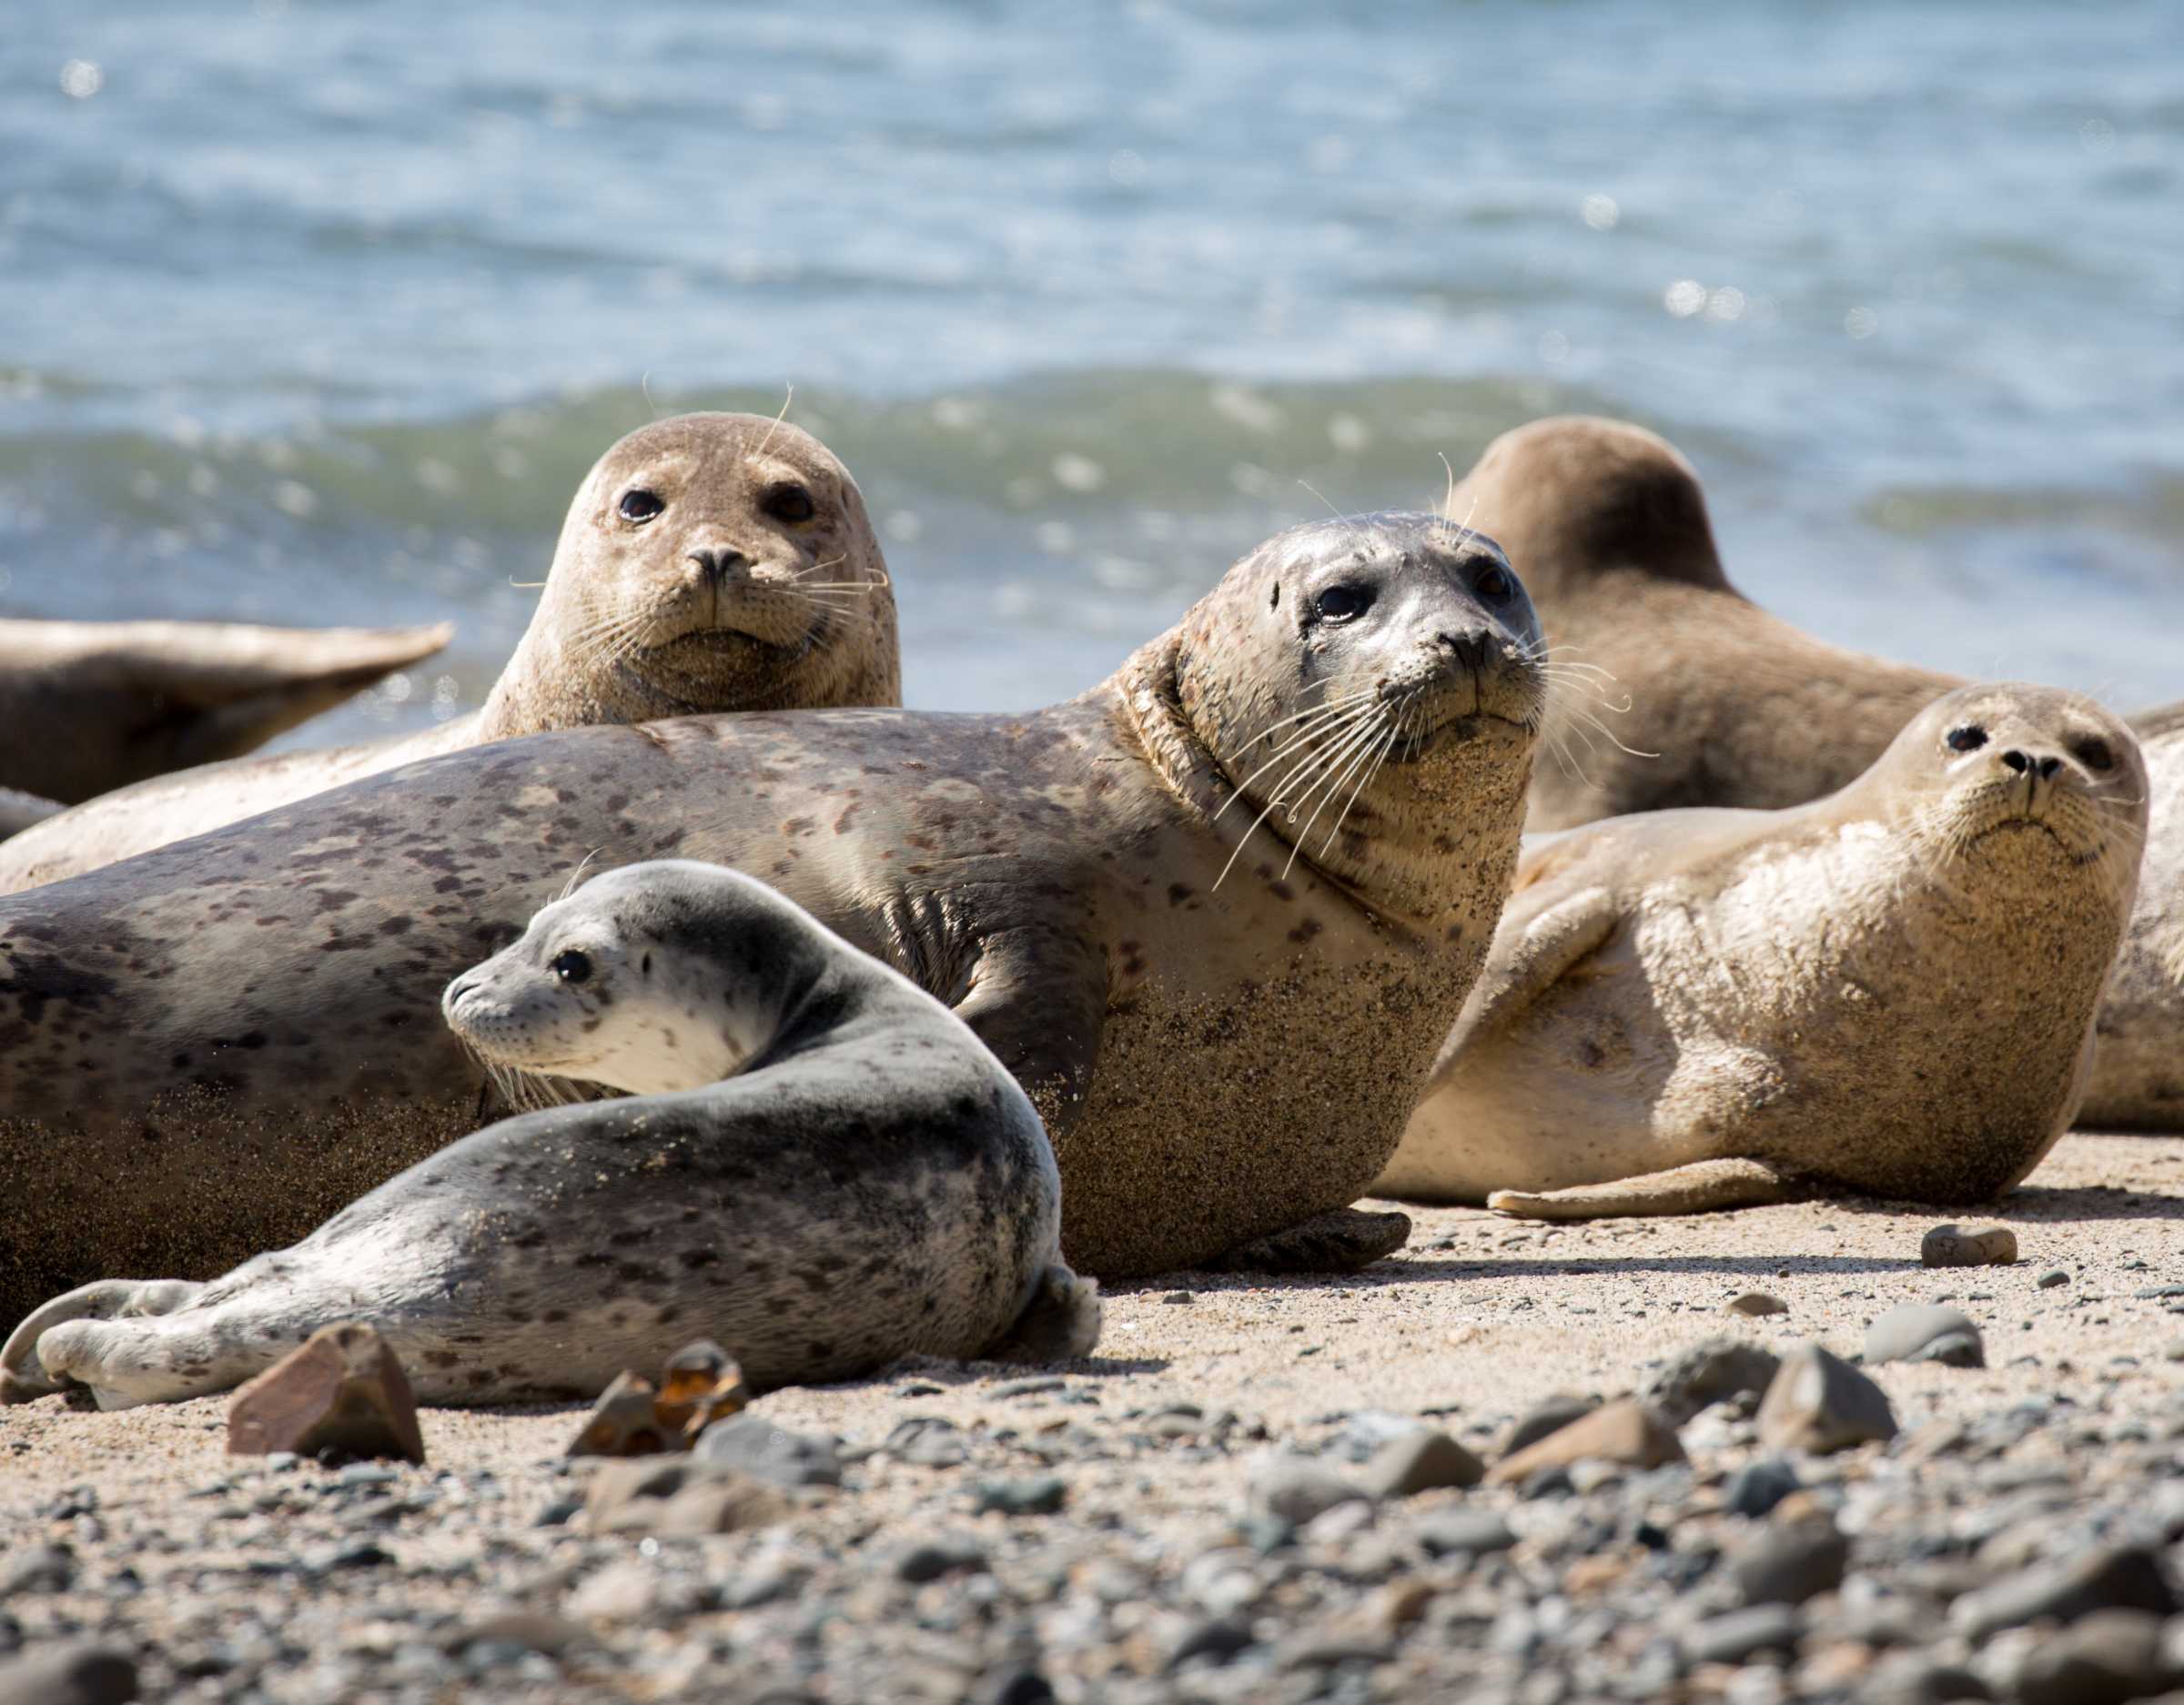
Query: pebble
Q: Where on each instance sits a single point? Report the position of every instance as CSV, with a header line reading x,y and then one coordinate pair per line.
x,y
69,1675
1476,1532
341,1390
1799,1555
2052,1277
1180,1297
1627,1431
1549,1416
1757,1487
1716,1370
2106,1657
928,1440
1033,1386
679,1496
1297,1488
936,1557
1740,1635
1756,1304
1039,1495
624,1422
1925,1332
1976,1245
1420,1461
1218,1639
2125,1577
1819,1402
753,1445
41,1568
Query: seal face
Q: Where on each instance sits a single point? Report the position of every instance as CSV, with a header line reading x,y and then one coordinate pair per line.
x,y
1172,907
708,562
822,1168
1889,990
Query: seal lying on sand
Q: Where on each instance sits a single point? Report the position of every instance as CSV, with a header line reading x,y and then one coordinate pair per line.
x,y
709,562
2139,1061
1889,990
822,1167
91,706
1217,915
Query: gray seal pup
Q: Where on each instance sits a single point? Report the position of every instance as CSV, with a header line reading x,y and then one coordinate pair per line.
x,y
1217,915
92,706
1890,990
2139,1060
816,1163
708,562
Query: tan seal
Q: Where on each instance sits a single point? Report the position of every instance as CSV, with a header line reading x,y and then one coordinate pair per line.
x,y
1215,915
816,1163
709,562
2139,1060
1890,990
92,706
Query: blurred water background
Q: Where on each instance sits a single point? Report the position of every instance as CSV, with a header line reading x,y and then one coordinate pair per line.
x,y
316,312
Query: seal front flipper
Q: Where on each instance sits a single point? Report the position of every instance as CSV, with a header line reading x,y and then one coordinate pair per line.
x,y
1038,999
1340,1242
1559,937
1697,1188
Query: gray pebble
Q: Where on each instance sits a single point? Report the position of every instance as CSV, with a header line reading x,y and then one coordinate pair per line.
x,y
69,1675
1792,1563
1040,1496
1036,1384
1476,1532
1757,1486
1741,1635
1549,1416
1297,1488
936,1557
753,1445
1715,1370
1217,1640
1819,1402
1925,1332
1421,1461
2105,1659
2129,1578
929,1440
2052,1277
1975,1245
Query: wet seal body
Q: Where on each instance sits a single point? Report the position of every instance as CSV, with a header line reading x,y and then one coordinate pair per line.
x,y
1890,990
2138,1058
92,706
818,1164
1224,1021
708,562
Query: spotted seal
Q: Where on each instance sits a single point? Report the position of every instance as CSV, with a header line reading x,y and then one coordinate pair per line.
x,y
1216,915
818,1165
1890,990
92,706
708,562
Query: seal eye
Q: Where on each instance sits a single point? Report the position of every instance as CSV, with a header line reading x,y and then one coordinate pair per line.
x,y
2094,753
1969,738
789,504
1498,584
571,966
639,505
1342,603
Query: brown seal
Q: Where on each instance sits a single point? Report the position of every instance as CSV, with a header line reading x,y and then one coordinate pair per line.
x,y
1217,915
1890,990
92,706
709,562
815,1163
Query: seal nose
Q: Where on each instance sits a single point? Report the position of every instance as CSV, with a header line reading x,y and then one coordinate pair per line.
x,y
720,562
1470,647
2026,763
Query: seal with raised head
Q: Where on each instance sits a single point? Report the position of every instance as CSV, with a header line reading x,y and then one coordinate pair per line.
x,y
817,1164
1890,990
708,562
2138,1054
1217,915
92,706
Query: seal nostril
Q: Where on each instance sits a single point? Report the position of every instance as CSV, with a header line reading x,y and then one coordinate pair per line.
x,y
2048,766
2017,761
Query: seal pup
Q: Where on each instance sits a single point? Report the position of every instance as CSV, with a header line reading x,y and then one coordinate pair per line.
x,y
1672,688
2138,1058
708,562
818,1165
1217,915
1889,990
92,706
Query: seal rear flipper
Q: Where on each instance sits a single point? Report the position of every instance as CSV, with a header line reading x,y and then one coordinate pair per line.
x,y
1060,1322
1339,1242
1697,1188
25,1377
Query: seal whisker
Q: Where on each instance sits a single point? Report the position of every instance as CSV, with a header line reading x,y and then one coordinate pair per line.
x,y
1333,785
1349,716
1587,716
1379,757
1310,764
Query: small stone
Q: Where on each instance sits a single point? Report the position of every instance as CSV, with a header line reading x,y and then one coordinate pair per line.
x,y
1297,1488
1549,1416
1220,1640
1032,1386
340,1390
621,1592
2106,1657
1473,1532
1180,1297
928,1440
1417,1462
1800,1554
1039,1495
41,1568
2052,1277
1756,1304
1741,1635
678,1497
1978,1246
524,1630
1925,1332
624,1422
1820,1403
753,1445
1628,1432
2127,1578
1014,1686
1714,1371
69,1675
1919,1679
1757,1487
936,1557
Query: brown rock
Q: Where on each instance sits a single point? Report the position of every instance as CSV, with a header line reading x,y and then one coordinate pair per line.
x,y
1627,1432
1981,1246
626,1422
340,1389
1819,1402
1755,1304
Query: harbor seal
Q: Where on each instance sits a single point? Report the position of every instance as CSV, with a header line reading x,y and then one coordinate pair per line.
x,y
708,562
2138,1058
1727,704
818,1164
1172,906
1890,990
92,706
